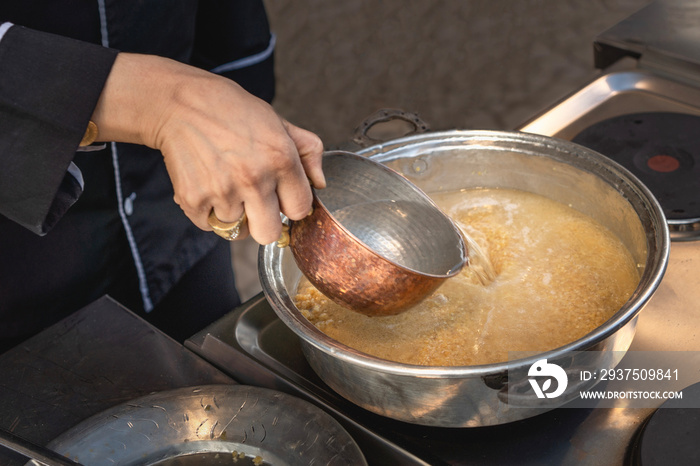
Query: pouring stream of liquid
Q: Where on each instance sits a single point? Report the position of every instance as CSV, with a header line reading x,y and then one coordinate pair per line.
x,y
479,262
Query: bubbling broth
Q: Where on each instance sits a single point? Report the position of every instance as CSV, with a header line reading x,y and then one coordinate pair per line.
x,y
541,275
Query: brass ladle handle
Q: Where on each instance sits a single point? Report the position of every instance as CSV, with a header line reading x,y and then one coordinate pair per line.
x,y
283,240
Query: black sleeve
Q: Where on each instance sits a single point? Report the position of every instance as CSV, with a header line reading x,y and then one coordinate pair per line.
x,y
227,31
49,86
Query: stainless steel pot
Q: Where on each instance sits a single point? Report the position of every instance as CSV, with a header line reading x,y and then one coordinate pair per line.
x,y
478,395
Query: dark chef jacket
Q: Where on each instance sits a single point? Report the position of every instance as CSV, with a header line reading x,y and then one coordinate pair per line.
x,y
72,224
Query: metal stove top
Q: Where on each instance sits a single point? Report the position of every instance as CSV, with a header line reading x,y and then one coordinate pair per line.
x,y
255,347
618,93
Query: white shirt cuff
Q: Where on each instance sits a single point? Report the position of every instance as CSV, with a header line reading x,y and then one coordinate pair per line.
x,y
4,28
77,174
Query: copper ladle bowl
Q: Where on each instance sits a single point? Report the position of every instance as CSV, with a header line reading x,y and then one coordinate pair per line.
x,y
374,242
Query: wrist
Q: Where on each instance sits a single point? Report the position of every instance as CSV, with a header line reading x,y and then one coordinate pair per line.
x,y
134,100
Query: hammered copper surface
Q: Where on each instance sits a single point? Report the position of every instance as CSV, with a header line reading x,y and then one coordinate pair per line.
x,y
349,273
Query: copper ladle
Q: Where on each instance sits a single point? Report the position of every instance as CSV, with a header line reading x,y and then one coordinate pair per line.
x,y
374,242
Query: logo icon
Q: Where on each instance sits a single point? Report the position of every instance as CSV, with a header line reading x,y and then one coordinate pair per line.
x,y
542,368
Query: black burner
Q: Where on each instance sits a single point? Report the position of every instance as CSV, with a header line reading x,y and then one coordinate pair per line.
x,y
662,149
671,435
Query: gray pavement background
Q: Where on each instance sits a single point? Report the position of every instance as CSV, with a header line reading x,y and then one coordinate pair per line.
x,y
467,64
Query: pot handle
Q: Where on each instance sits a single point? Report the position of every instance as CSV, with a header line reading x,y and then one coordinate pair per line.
x,y
384,115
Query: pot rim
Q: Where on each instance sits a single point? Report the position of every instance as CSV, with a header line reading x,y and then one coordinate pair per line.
x,y
655,267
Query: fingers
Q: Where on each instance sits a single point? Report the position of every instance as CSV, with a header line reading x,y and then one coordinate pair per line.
x,y
294,196
228,213
289,193
264,220
310,149
261,190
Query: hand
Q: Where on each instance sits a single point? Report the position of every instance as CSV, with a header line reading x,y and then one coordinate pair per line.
x,y
223,147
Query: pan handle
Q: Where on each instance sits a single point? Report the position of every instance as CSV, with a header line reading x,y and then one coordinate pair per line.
x,y
385,115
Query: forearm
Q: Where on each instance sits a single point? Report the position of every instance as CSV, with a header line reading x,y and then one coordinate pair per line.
x,y
49,86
